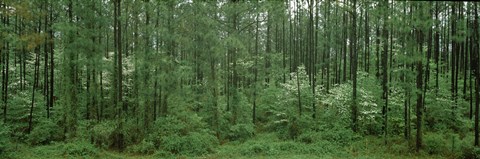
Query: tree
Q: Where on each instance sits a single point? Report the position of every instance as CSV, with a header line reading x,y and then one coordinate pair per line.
x,y
419,35
476,67
385,70
118,51
354,63
254,111
5,65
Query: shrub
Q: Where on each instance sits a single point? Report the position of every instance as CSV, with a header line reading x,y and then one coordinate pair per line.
x,y
133,132
470,152
435,143
102,132
400,148
256,148
175,125
322,147
241,132
4,138
195,143
263,147
467,150
291,128
144,147
339,135
44,132
162,154
287,146
309,137
80,149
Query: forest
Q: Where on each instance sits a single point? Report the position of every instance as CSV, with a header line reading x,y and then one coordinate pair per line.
x,y
239,79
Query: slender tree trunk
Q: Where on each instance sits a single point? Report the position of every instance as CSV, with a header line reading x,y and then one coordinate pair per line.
x,y
437,49
254,111
299,94
284,47
45,71
385,73
354,64
51,43
6,64
454,58
419,109
377,51
34,86
345,21
312,51
477,75
367,42
119,106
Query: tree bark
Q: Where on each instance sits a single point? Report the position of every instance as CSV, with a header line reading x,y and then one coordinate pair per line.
x,y
354,62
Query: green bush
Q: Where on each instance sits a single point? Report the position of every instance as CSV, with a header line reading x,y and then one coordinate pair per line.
x,y
44,132
339,135
470,152
287,146
102,132
162,154
467,150
292,127
321,148
256,148
309,137
133,132
264,147
175,125
144,147
4,138
80,149
241,132
195,143
435,143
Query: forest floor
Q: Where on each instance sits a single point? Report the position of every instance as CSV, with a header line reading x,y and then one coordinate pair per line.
x,y
263,146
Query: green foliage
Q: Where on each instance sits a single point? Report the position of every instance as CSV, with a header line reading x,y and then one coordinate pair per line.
x,y
144,147
162,154
470,152
44,132
175,125
182,134
288,100
268,145
102,133
4,138
339,99
195,143
400,148
79,149
199,53
290,127
466,149
134,132
435,143
241,132
309,137
339,135
268,103
256,149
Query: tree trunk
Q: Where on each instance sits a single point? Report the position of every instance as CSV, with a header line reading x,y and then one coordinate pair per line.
x,y
477,75
354,64
419,109
385,73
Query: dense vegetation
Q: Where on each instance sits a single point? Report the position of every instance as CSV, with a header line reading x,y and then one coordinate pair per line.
x,y
239,79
